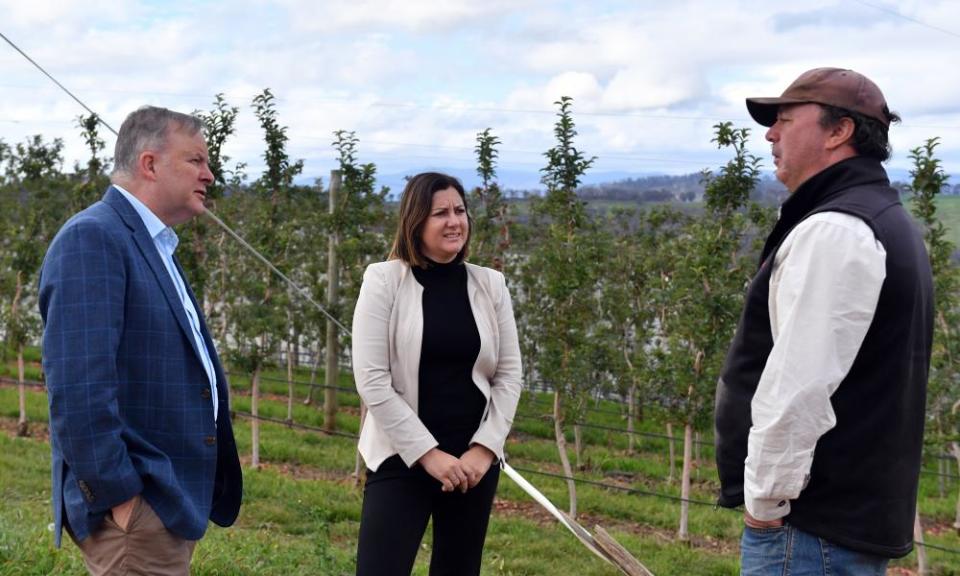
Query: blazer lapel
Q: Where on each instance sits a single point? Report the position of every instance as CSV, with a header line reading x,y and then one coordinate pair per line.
x,y
149,251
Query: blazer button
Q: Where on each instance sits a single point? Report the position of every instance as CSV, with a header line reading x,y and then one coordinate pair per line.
x,y
210,440
205,394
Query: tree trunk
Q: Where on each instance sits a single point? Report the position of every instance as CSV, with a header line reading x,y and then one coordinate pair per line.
x,y
683,533
941,459
289,381
562,449
359,470
920,548
698,440
313,375
942,475
631,416
673,452
23,428
333,289
254,422
296,348
955,451
224,325
578,445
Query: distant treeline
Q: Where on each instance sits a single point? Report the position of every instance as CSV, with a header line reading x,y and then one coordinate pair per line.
x,y
690,187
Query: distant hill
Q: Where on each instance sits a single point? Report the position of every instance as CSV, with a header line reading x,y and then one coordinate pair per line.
x,y
623,186
686,188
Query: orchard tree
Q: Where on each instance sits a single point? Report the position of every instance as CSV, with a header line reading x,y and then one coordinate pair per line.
x,y
490,231
355,221
943,385
258,307
36,209
560,283
92,179
705,294
202,256
634,271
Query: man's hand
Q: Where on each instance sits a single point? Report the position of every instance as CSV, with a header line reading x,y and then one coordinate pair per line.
x,y
760,524
121,513
445,468
475,462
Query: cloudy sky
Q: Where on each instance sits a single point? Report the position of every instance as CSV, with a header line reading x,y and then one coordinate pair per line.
x,y
416,79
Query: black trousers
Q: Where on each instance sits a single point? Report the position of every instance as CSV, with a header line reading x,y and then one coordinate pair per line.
x,y
397,504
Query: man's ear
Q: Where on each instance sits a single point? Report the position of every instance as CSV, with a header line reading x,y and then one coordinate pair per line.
x,y
841,133
147,165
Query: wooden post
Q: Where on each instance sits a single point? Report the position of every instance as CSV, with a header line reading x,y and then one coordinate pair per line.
x,y
23,428
359,469
333,289
619,555
683,533
920,548
254,421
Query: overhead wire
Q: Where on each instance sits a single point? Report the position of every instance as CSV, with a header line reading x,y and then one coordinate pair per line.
x,y
898,14
55,81
256,253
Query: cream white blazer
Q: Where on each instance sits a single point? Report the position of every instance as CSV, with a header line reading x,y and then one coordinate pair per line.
x,y
387,334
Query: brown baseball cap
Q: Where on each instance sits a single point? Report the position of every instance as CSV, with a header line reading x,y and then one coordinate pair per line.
x,y
831,86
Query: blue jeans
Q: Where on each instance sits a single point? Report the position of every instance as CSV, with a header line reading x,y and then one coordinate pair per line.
x,y
789,551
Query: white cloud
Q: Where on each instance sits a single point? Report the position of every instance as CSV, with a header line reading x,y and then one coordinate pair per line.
x,y
416,80
425,16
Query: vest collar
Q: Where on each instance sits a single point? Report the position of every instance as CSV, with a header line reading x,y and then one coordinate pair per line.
x,y
820,189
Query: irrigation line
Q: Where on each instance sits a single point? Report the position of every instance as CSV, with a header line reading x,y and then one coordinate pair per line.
x,y
292,424
27,383
615,487
679,499
644,434
937,547
295,382
41,386
549,403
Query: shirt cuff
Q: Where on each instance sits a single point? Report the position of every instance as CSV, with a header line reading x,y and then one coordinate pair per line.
x,y
766,508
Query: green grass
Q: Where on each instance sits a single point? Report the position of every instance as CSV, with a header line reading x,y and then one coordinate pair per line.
x,y
948,211
301,509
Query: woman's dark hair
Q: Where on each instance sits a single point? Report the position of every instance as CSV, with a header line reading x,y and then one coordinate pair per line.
x,y
415,205
870,136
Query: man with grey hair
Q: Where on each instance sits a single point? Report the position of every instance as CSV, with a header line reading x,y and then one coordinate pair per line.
x,y
140,433
820,406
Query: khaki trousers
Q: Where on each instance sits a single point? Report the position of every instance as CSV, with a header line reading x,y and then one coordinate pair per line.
x,y
145,548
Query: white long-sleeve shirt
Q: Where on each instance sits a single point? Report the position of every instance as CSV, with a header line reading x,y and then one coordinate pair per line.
x,y
824,289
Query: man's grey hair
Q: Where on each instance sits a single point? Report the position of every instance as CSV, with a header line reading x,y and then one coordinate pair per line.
x,y
146,129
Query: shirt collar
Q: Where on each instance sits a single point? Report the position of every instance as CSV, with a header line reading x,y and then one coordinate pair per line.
x,y
155,227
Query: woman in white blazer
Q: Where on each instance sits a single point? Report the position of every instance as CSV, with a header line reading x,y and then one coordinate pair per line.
x,y
437,361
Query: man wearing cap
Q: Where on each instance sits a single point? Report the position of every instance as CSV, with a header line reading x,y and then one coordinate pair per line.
x,y
820,406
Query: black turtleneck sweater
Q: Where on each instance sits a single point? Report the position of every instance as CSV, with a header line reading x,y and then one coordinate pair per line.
x,y
450,404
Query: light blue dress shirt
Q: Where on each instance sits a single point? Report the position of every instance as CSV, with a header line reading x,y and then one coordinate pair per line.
x,y
165,239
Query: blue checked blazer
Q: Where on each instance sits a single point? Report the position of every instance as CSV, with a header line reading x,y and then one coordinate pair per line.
x,y
130,408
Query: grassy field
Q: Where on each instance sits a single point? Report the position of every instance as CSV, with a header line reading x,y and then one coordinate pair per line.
x,y
301,509
948,210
